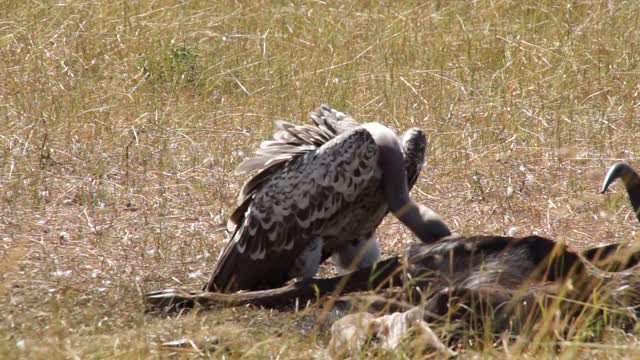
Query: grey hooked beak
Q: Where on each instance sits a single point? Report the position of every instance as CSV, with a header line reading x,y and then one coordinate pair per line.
x,y
618,170
631,181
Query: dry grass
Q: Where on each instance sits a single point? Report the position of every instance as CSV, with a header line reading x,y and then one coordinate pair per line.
x,y
121,123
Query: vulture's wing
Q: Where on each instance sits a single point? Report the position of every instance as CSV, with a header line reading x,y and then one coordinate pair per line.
x,y
333,121
289,142
291,201
414,143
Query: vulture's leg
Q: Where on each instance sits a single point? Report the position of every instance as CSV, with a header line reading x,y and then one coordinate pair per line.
x,y
308,263
357,254
631,181
422,221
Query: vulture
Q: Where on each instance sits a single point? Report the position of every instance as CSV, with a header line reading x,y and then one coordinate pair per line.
x,y
631,181
321,191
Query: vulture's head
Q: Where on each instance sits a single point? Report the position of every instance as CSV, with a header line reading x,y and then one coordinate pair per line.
x,y
631,180
621,171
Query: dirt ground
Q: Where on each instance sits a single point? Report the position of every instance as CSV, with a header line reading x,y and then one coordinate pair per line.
x,y
121,124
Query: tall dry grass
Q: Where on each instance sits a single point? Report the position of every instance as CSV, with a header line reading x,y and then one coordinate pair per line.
x,y
121,123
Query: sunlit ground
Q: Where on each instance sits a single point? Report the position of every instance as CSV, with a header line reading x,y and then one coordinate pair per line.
x,y
121,123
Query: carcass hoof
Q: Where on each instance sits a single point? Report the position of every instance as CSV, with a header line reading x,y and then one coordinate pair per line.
x,y
169,301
